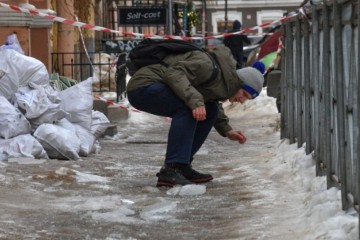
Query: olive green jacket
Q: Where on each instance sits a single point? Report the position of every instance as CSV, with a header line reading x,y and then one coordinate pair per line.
x,y
187,75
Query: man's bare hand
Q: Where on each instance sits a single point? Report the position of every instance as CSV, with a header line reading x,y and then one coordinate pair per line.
x,y
236,136
199,113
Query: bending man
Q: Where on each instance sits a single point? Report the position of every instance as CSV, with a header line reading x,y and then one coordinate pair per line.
x,y
180,89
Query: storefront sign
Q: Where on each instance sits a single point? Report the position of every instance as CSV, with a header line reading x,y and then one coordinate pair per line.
x,y
142,16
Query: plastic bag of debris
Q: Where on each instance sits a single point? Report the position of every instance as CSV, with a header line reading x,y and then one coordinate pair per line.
x,y
99,123
19,70
39,105
22,146
87,139
12,121
58,142
12,42
54,113
77,100
33,102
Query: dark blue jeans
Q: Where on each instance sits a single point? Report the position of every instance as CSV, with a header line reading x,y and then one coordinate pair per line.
x,y
186,134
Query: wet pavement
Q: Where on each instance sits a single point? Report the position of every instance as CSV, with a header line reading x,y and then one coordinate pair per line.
x,y
112,195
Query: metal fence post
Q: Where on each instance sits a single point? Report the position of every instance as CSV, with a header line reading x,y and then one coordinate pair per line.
x,y
327,99
306,79
317,124
290,83
298,84
340,101
357,178
283,87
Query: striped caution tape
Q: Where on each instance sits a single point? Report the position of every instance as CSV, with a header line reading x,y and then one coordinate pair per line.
x,y
116,104
165,119
278,55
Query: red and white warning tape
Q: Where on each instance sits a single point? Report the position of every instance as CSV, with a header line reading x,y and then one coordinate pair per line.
x,y
278,55
116,104
138,35
166,119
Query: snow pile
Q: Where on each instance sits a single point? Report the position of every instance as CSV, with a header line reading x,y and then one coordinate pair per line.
x,y
39,121
262,105
323,217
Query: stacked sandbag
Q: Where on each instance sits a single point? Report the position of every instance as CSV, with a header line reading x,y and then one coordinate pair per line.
x,y
39,121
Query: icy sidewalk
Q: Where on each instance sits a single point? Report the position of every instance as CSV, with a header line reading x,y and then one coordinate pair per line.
x,y
264,189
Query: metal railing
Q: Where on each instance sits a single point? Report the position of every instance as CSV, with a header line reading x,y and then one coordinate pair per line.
x,y
320,91
108,70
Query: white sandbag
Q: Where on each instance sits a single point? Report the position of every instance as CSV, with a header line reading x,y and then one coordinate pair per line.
x,y
34,102
52,94
9,81
53,114
20,70
58,142
12,42
64,123
87,139
99,123
77,100
12,121
22,146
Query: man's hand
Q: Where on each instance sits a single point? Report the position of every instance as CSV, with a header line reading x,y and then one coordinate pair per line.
x,y
236,136
199,113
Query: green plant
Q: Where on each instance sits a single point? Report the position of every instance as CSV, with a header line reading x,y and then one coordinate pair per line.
x,y
193,16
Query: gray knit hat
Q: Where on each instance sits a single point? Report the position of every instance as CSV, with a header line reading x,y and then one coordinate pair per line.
x,y
253,80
